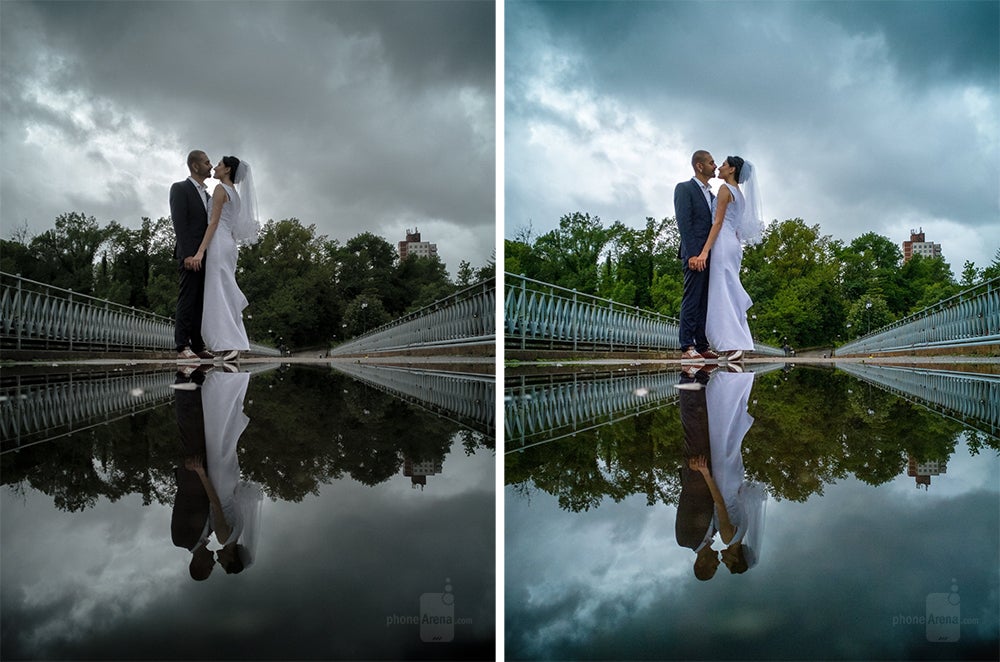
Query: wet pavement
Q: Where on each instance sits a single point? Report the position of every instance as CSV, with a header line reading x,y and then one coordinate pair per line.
x,y
362,518
863,502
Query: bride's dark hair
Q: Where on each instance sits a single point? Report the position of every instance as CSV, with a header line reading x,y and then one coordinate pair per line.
x,y
232,163
734,161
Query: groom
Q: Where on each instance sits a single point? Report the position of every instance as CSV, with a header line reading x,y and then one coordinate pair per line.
x,y
189,202
693,206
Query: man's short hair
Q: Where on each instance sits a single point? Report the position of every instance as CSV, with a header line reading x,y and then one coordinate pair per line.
x,y
696,158
194,155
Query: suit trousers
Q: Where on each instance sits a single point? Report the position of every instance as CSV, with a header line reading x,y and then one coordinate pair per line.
x,y
694,309
190,300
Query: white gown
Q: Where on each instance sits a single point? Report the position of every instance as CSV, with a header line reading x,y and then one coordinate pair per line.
x,y
726,323
222,400
726,397
222,316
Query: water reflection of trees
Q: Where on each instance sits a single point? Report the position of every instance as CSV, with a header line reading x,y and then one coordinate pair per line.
x,y
308,427
812,427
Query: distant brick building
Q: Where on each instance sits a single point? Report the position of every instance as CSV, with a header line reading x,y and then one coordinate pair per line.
x,y
917,245
413,246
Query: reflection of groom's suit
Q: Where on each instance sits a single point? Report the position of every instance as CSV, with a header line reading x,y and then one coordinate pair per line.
x,y
189,520
694,221
190,218
695,508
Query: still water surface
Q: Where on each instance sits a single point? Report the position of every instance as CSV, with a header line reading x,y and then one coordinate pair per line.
x,y
879,537
372,536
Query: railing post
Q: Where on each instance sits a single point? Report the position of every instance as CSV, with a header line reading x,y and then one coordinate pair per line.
x,y
20,311
70,316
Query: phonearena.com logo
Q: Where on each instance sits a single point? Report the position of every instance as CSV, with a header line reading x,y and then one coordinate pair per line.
x,y
436,618
942,617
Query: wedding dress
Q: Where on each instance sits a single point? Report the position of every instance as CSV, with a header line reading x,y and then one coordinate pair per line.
x,y
222,400
726,398
726,323
222,317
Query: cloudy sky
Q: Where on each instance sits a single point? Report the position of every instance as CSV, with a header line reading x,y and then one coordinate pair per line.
x,y
355,116
862,116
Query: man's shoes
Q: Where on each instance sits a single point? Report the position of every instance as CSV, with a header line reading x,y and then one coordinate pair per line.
x,y
691,356
206,355
734,356
690,371
228,356
187,356
229,367
734,367
710,355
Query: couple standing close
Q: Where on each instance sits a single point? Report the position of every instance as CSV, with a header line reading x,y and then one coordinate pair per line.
x,y
713,230
208,229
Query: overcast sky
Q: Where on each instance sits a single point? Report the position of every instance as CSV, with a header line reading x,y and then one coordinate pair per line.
x,y
355,116
862,116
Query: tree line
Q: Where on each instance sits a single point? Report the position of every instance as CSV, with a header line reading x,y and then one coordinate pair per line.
x,y
809,290
304,288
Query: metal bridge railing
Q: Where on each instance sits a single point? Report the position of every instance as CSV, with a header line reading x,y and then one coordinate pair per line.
x,y
970,318
36,409
970,398
538,315
466,399
539,413
465,318
35,315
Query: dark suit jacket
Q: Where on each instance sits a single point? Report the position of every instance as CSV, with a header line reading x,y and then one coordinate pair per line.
x,y
191,503
694,218
187,211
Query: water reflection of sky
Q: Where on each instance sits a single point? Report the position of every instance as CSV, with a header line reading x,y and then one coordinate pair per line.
x,y
338,575
843,575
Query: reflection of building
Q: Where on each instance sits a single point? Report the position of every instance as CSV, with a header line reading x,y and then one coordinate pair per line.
x,y
419,470
922,471
917,246
413,246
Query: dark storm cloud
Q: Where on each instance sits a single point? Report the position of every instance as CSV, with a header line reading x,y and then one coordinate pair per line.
x,y
356,116
862,116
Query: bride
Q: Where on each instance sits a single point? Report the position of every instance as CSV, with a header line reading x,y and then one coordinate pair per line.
x,y
233,220
737,221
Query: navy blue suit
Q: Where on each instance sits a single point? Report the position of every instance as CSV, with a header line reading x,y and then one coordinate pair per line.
x,y
187,211
694,221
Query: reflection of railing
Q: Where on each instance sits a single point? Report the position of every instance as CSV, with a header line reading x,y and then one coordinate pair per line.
x,y
465,399
540,315
972,399
38,408
34,315
968,319
464,318
536,413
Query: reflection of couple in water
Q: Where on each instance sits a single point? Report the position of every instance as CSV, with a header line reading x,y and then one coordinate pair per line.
x,y
715,496
211,498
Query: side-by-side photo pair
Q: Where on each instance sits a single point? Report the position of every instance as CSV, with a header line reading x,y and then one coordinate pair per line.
x,y
499,330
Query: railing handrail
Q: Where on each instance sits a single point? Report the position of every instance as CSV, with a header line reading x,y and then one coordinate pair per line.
x,y
74,294
593,297
934,307
461,295
980,291
144,330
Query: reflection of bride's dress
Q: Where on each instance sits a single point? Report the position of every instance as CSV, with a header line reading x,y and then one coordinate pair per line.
x,y
222,399
222,315
726,322
726,396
